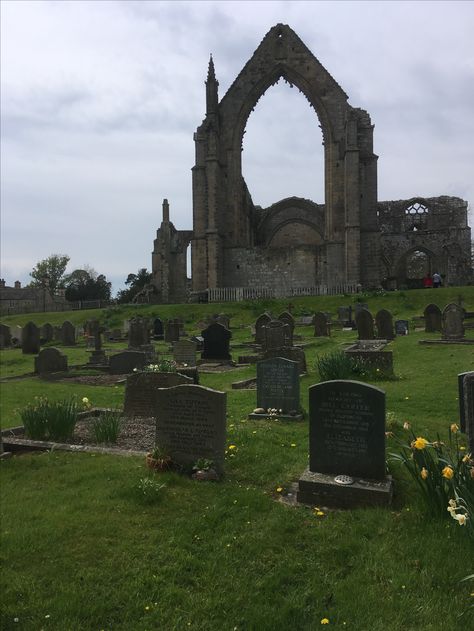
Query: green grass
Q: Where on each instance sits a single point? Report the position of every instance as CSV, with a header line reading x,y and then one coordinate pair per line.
x,y
82,546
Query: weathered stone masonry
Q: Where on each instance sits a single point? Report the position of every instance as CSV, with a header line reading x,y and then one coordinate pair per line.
x,y
296,243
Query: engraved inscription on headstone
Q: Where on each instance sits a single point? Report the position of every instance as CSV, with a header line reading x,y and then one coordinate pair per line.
x,y
278,385
191,424
347,429
452,321
141,388
184,352
260,323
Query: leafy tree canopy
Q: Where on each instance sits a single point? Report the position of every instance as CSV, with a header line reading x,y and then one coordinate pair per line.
x,y
52,269
87,284
136,283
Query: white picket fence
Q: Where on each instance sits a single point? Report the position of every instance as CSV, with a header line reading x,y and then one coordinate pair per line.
x,y
237,294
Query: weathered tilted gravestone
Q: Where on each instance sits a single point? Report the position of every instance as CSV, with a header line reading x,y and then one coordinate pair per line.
x,y
462,412
468,391
322,328
46,333
365,325
288,319
158,330
216,342
141,387
172,330
191,424
384,324
68,334
5,336
125,362
184,352
452,322
402,327
346,446
30,339
432,315
278,388
50,360
138,333
277,334
260,323
221,318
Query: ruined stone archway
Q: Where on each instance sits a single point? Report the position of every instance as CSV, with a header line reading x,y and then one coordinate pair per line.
x,y
225,218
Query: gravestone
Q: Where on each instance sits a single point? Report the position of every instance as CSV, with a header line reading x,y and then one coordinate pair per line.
x,y
57,333
138,333
172,330
278,386
294,353
223,319
359,306
124,363
141,387
322,328
30,339
384,324
346,438
277,335
158,329
216,342
50,360
260,323
191,424
402,327
5,336
97,356
462,411
16,332
452,322
199,342
432,315
468,390
184,352
288,319
68,334
365,325
46,333
344,314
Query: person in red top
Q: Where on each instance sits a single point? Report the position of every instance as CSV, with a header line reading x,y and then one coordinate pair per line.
x,y
427,281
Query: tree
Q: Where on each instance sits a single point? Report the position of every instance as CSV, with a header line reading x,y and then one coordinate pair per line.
x,y
52,269
136,283
86,284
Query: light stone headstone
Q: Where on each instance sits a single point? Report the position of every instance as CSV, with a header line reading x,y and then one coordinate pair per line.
x,y
452,322
260,323
278,385
17,332
184,352
277,335
191,424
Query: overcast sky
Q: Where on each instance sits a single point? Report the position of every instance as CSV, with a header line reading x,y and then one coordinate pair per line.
x,y
100,100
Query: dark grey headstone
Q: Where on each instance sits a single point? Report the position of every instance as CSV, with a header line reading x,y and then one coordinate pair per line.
x,y
432,315
452,322
138,333
293,353
191,424
50,360
277,334
260,323
216,342
221,318
124,363
68,334
278,385
359,306
462,412
344,314
288,319
5,336
141,387
322,328
47,333
468,390
402,327
172,330
184,352
365,325
30,339
347,429
158,330
384,324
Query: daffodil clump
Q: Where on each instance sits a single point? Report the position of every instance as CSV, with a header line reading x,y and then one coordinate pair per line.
x,y
443,472
50,420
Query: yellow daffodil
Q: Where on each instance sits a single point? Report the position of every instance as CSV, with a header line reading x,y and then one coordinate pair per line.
x,y
279,489
325,621
466,458
406,425
447,473
419,443
232,446
424,473
461,519
319,513
454,428
85,400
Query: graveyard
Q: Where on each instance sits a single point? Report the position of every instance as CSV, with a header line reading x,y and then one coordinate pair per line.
x,y
94,539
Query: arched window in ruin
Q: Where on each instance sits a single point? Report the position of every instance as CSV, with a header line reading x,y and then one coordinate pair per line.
x,y
417,265
416,209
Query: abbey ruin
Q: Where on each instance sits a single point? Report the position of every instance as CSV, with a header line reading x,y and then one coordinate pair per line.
x,y
296,246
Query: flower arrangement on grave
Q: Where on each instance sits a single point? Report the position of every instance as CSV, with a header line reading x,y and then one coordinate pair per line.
x,y
204,470
443,472
158,460
164,365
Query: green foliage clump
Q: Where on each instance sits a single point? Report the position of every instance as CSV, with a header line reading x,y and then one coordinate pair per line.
x,y
50,420
335,365
150,490
105,428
